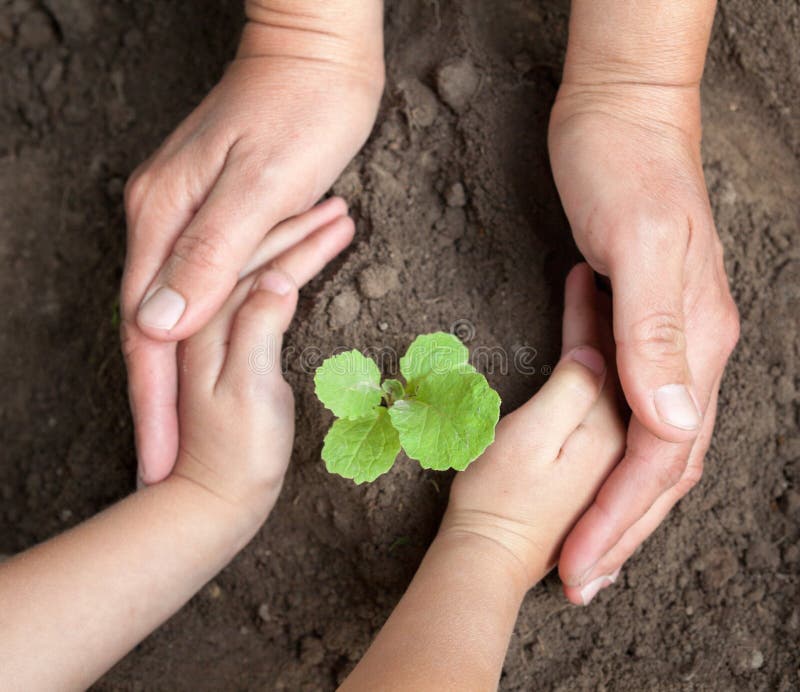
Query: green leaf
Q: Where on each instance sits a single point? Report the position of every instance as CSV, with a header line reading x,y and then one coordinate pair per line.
x,y
361,449
450,421
349,384
436,353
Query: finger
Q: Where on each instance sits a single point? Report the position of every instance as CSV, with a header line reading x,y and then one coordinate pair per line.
x,y
301,262
562,404
153,392
575,384
640,531
247,200
650,468
581,320
650,335
293,230
253,357
307,259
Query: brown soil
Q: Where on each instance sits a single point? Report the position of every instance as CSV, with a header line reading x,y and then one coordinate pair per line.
x,y
88,88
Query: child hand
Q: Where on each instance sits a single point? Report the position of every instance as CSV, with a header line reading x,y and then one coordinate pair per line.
x,y
236,412
264,145
551,455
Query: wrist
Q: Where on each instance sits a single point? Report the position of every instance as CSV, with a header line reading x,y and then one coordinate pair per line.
x,y
237,517
666,109
495,545
346,34
649,42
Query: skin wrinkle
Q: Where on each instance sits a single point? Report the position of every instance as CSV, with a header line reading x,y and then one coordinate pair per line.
x,y
519,566
298,11
619,115
350,46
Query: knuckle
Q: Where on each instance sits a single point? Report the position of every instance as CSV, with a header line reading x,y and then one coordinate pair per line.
x,y
128,338
208,252
731,327
261,173
653,233
670,471
691,477
135,190
659,337
580,383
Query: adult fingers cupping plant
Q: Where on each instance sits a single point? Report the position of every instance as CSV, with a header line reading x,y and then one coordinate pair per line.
x,y
625,137
289,113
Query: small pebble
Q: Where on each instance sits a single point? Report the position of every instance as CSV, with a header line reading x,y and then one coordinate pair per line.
x,y
263,612
343,309
377,280
456,195
789,448
35,31
791,555
756,660
457,81
383,326
312,651
717,567
348,185
422,105
762,555
214,591
791,503
785,392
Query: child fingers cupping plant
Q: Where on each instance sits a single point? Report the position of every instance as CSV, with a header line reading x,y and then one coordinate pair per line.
x,y
507,516
71,607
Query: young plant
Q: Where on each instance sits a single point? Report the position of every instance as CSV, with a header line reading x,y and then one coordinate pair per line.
x,y
444,415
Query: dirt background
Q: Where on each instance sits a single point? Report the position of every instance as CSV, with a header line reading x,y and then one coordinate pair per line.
x,y
87,89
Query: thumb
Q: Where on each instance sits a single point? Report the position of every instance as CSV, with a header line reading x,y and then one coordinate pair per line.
x,y
650,336
206,259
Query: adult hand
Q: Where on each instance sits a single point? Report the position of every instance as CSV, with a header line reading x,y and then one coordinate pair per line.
x,y
265,144
626,160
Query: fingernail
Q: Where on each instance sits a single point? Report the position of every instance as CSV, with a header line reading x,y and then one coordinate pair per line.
x,y
589,357
274,282
676,406
163,309
591,590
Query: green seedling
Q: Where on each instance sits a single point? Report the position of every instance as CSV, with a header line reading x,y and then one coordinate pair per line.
x,y
444,415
